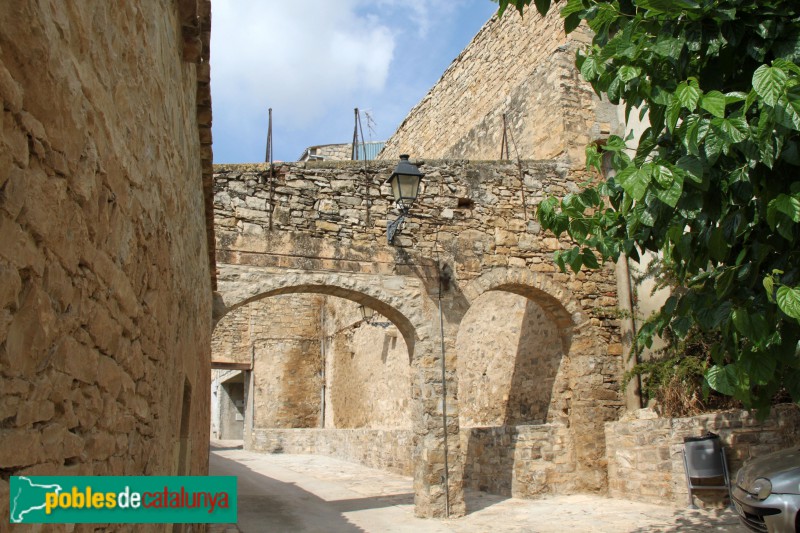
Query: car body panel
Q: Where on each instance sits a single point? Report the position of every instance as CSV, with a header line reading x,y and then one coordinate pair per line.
x,y
778,512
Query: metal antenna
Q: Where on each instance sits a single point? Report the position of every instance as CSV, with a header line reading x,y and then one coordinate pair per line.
x,y
358,129
271,175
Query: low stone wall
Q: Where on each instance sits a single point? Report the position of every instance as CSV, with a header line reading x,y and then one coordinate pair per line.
x,y
519,461
645,453
387,449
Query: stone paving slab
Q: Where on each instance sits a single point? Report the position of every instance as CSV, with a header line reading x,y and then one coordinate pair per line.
x,y
315,493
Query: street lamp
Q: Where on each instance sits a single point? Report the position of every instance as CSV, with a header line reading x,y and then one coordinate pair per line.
x,y
405,182
366,313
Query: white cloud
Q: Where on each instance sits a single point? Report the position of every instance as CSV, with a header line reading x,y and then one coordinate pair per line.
x,y
298,58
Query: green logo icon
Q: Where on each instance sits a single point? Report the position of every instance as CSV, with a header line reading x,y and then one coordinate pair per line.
x,y
122,499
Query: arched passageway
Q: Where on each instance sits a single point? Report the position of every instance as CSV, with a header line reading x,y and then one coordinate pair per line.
x,y
375,380
531,390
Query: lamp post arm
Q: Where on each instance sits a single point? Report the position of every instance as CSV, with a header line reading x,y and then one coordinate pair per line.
x,y
394,226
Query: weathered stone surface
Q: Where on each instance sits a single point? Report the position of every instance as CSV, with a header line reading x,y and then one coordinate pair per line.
x,y
102,206
645,452
517,71
549,369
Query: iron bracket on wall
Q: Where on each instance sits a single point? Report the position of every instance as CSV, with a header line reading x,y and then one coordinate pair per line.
x,y
394,227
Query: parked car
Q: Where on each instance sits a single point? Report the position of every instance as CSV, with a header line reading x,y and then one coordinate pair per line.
x,y
767,492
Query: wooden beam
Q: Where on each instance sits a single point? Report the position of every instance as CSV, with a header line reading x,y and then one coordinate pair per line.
x,y
224,365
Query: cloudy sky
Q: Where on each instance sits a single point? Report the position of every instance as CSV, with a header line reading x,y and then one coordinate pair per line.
x,y
314,61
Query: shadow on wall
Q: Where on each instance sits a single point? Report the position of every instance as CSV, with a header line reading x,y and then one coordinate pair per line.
x,y
516,382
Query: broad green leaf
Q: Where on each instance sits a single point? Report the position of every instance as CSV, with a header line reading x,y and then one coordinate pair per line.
x,y
688,95
723,282
788,299
752,96
752,325
668,47
634,181
723,379
769,83
575,259
571,22
787,65
693,168
672,195
628,73
681,326
733,130
711,317
673,114
788,205
591,69
579,228
572,7
760,367
787,112
663,175
667,6
589,259
542,6
714,103
715,145
735,97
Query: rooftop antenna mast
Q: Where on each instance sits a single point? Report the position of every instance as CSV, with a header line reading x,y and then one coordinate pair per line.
x,y
358,129
271,174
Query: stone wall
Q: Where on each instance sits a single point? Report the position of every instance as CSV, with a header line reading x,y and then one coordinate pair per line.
x,y
526,461
281,336
368,381
519,461
523,68
290,338
510,368
377,448
320,228
645,453
105,307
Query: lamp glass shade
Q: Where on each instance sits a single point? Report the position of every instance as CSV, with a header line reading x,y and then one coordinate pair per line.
x,y
405,188
366,312
405,181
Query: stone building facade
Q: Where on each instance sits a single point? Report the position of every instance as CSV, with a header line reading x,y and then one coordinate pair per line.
x,y
319,229
106,272
516,76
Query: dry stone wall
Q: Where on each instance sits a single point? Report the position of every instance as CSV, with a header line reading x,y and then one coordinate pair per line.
x,y
510,368
377,448
320,228
645,452
522,67
368,372
281,337
105,308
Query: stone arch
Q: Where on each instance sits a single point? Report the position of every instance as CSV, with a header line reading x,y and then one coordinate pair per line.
x,y
366,291
402,300
554,299
587,400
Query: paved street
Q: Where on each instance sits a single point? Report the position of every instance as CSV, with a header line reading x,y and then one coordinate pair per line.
x,y
311,493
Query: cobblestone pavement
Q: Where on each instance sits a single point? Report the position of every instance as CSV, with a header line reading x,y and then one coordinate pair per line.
x,y
314,493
